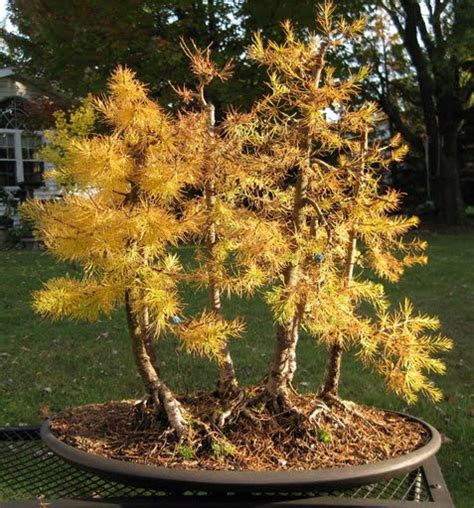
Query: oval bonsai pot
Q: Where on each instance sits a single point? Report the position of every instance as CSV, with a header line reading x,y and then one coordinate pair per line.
x,y
175,479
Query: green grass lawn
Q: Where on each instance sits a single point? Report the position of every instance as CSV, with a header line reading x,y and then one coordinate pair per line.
x,y
48,366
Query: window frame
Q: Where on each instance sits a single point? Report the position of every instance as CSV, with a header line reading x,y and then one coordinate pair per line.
x,y
10,159
17,135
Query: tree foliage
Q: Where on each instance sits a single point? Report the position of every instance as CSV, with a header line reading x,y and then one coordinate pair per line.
x,y
424,70
76,45
286,199
419,51
307,124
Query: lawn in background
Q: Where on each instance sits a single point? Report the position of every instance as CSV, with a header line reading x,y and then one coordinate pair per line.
x,y
45,367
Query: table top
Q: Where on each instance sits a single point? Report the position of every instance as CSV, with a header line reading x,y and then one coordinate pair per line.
x,y
31,475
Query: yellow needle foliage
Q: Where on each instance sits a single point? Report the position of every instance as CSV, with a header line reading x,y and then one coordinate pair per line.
x,y
327,206
287,196
121,214
230,234
205,335
400,348
77,124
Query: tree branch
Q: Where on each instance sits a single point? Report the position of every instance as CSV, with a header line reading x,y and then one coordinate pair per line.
x,y
436,21
419,61
420,22
394,15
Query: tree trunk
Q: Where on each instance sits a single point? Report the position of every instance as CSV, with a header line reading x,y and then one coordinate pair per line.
x,y
156,389
330,388
280,377
227,382
451,201
449,185
283,366
438,83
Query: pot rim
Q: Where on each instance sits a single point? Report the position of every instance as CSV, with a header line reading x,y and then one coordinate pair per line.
x,y
244,480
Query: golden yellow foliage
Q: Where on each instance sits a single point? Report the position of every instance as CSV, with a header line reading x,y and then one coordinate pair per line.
x,y
332,221
286,197
75,124
206,334
401,348
119,215
79,299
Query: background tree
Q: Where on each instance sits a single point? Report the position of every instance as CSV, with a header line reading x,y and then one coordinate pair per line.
x,y
76,45
74,124
437,37
420,52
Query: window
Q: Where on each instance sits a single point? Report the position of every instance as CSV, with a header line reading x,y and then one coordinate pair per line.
x,y
13,113
33,167
19,148
19,158
8,173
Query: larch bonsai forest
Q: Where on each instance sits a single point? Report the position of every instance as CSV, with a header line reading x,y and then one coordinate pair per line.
x,y
286,200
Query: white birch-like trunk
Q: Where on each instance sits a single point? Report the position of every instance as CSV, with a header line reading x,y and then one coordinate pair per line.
x,y
156,389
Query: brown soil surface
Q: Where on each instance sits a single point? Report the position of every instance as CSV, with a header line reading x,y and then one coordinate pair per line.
x,y
256,439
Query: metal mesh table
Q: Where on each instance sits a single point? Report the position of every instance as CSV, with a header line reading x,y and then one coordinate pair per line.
x,y
31,475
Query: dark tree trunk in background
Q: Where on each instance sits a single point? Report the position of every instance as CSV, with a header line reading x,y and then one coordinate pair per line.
x,y
438,84
449,187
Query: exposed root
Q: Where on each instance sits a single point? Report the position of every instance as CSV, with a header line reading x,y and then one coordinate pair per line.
x,y
285,408
334,400
174,412
144,412
321,407
143,404
327,405
163,406
231,410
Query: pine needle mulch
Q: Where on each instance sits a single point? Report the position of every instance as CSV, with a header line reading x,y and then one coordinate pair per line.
x,y
255,439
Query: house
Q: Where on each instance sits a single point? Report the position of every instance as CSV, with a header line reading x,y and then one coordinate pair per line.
x,y
21,168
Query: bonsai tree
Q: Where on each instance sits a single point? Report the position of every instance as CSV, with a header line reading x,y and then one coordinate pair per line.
x,y
118,223
228,242
286,197
209,151
306,127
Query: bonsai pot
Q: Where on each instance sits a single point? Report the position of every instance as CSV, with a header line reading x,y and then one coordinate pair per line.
x,y
175,479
